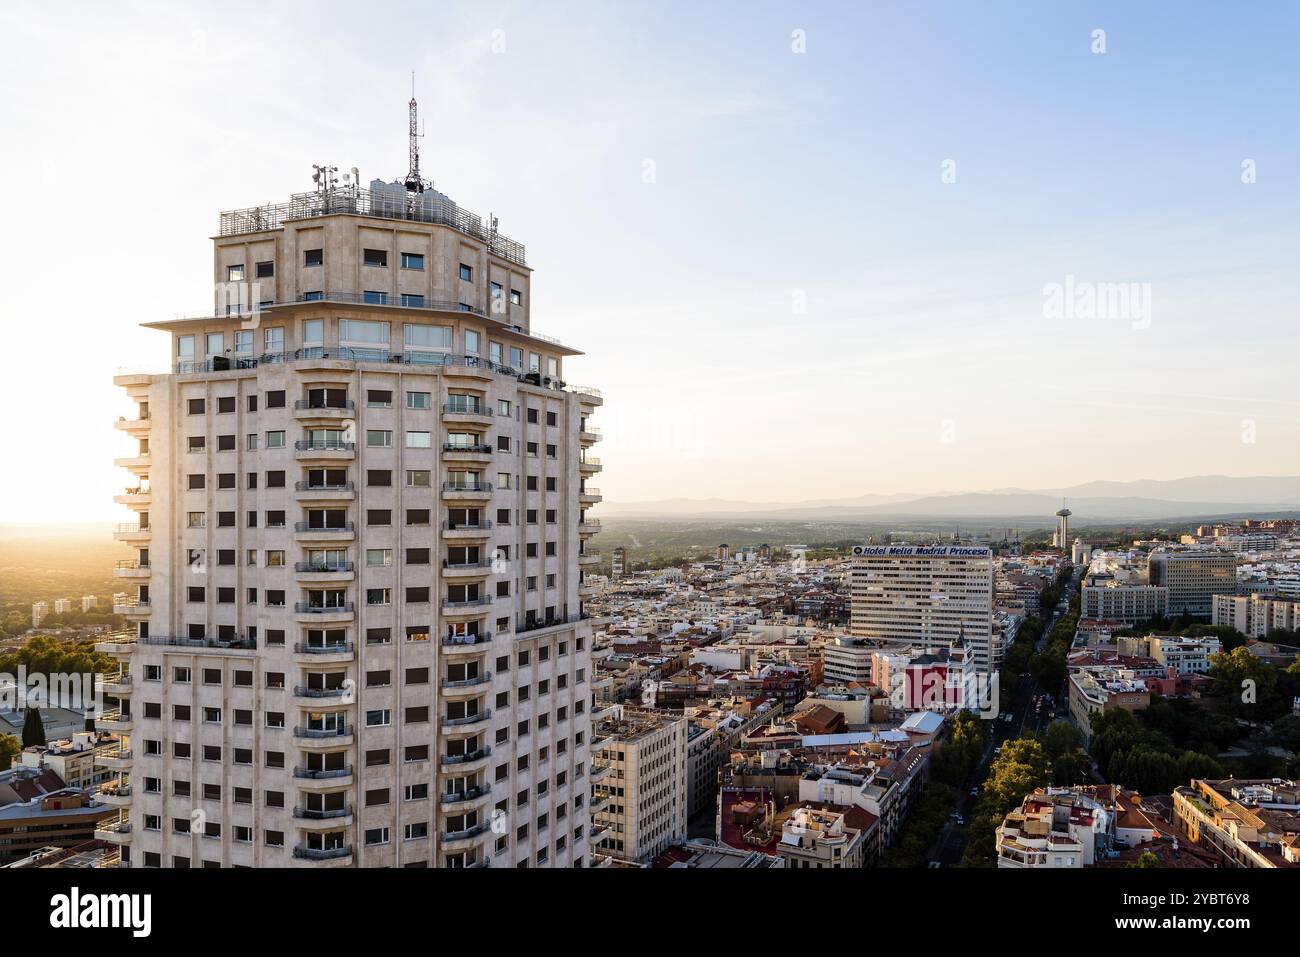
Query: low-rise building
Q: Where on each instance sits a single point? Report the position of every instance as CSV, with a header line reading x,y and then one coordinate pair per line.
x,y
1058,828
1245,823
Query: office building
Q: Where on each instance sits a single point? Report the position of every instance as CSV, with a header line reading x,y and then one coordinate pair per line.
x,y
925,595
1193,578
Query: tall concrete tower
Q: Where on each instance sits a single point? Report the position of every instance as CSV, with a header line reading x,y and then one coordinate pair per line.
x,y
360,636
1062,538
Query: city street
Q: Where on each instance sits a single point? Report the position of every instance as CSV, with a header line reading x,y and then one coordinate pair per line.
x,y
951,843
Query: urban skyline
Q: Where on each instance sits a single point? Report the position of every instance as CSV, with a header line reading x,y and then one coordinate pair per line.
x,y
931,361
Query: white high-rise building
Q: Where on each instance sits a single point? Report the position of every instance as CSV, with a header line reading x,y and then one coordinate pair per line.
x,y
360,634
62,606
40,609
928,595
639,803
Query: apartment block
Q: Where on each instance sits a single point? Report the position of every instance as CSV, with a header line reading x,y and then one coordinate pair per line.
x,y
357,582
925,595
639,774
1193,578
1058,828
1243,823
1256,615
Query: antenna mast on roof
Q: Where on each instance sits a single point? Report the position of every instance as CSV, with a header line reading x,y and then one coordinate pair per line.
x,y
413,181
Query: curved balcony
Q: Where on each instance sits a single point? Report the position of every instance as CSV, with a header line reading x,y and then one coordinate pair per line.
x,y
311,819
133,426
466,491
306,450
307,493
466,414
480,569
114,722
462,532
466,686
326,698
116,686
588,558
331,780
599,804
324,572
587,395
598,833
334,856
318,739
469,608
305,410
467,724
453,453
469,370
590,496
589,436
466,644
325,654
598,773
134,463
117,760
131,568
132,533
307,613
135,497
465,764
113,831
589,465
115,794
587,590
309,534
590,527
452,801
456,840
137,609
119,646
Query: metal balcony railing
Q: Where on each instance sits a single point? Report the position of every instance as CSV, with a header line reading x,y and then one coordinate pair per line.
x,y
322,487
466,526
458,408
322,567
467,486
309,527
321,774
324,445
339,648
345,406
310,608
319,733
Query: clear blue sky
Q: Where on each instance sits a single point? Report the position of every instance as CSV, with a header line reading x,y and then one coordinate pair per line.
x,y
923,360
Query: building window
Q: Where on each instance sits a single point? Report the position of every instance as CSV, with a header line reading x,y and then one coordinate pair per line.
x,y
375,257
313,257
466,273
413,261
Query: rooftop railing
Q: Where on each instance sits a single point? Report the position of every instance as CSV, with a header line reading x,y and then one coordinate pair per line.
x,y
391,203
380,356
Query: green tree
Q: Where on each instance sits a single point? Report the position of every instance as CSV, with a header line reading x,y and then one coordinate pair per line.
x,y
1146,859
1061,737
33,729
9,749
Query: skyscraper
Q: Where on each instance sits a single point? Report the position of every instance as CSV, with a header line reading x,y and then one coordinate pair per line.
x,y
360,553
925,595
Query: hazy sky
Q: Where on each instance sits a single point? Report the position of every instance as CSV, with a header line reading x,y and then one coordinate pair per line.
x,y
795,274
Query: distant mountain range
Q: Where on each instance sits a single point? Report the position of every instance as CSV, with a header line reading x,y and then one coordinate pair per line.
x,y
1091,503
